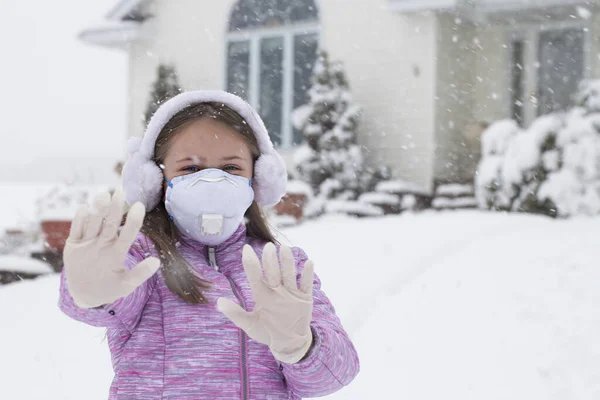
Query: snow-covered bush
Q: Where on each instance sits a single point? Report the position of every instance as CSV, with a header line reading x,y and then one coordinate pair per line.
x,y
575,186
413,197
588,96
330,159
552,168
454,196
353,207
488,183
61,202
389,203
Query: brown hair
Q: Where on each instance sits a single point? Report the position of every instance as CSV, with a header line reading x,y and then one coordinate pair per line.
x,y
162,231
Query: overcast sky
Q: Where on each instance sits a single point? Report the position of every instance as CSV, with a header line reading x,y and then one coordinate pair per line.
x,y
62,102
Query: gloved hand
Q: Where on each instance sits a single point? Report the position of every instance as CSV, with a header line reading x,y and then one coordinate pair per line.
x,y
95,253
282,315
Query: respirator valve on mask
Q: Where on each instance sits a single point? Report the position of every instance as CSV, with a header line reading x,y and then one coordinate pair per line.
x,y
211,224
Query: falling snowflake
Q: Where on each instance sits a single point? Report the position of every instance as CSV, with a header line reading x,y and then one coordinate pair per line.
x,y
584,13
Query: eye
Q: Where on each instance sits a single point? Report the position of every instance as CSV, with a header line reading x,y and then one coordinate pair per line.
x,y
231,167
191,168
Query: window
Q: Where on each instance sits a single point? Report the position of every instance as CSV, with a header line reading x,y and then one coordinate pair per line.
x,y
238,72
561,58
545,66
271,51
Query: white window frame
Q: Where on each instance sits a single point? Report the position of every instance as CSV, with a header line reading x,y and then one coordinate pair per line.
x,y
530,35
253,37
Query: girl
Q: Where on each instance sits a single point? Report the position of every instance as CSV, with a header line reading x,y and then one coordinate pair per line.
x,y
215,323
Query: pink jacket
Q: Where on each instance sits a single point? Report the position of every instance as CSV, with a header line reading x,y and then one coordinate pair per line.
x,y
164,348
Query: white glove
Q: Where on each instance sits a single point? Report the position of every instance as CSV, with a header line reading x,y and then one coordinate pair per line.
x,y
282,315
95,253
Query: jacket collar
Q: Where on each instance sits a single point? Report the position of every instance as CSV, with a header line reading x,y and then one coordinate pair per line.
x,y
234,243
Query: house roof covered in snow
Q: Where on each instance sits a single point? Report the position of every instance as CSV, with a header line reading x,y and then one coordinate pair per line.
x,y
121,25
522,10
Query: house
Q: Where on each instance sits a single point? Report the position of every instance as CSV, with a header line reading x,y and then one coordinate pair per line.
x,y
430,74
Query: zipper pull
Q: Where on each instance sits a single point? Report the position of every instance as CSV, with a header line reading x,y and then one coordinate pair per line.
x,y
212,258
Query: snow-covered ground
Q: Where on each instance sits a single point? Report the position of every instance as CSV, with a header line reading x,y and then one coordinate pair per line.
x,y
24,264
460,305
19,209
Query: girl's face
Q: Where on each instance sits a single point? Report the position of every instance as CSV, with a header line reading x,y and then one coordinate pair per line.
x,y
207,143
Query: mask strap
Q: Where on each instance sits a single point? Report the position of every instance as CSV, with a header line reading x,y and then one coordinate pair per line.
x,y
170,184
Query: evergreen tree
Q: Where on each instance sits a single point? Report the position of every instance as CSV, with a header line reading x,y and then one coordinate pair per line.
x,y
330,160
165,87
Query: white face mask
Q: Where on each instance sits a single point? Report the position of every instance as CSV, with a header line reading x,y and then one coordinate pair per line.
x,y
208,205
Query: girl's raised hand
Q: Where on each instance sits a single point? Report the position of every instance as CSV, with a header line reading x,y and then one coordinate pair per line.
x,y
95,252
283,312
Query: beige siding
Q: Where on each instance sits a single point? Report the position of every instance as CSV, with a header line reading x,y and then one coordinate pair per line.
x,y
389,59
491,84
472,90
454,95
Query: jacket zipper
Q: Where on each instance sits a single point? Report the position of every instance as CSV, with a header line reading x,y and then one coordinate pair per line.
x,y
213,263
